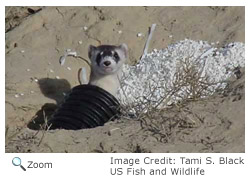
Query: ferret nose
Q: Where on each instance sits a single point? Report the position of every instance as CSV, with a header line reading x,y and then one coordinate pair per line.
x,y
107,63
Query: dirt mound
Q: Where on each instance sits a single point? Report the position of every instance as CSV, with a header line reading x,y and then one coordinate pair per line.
x,y
215,124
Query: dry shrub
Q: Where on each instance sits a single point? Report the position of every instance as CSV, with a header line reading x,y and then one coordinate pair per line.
x,y
165,117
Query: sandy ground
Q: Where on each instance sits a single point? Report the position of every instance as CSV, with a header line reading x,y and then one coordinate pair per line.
x,y
37,36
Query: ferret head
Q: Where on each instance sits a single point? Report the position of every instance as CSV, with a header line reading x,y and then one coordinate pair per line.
x,y
107,59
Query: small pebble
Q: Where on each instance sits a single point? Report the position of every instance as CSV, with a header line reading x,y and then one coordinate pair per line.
x,y
170,36
57,77
72,53
16,96
22,51
32,92
51,70
69,68
80,42
110,131
21,94
85,28
36,80
139,34
120,31
28,70
62,60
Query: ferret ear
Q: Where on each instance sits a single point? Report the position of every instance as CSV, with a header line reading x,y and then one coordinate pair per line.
x,y
91,51
124,48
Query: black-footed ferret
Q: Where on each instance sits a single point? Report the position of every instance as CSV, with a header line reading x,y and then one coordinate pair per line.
x,y
106,66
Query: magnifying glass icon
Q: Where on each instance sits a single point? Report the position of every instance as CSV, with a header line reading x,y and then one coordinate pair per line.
x,y
16,161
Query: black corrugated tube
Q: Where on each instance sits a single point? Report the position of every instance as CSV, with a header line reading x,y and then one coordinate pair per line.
x,y
86,106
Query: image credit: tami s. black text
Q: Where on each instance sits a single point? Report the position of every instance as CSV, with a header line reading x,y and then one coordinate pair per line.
x,y
168,166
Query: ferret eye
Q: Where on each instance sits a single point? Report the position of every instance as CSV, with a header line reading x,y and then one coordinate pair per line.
x,y
116,56
98,58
